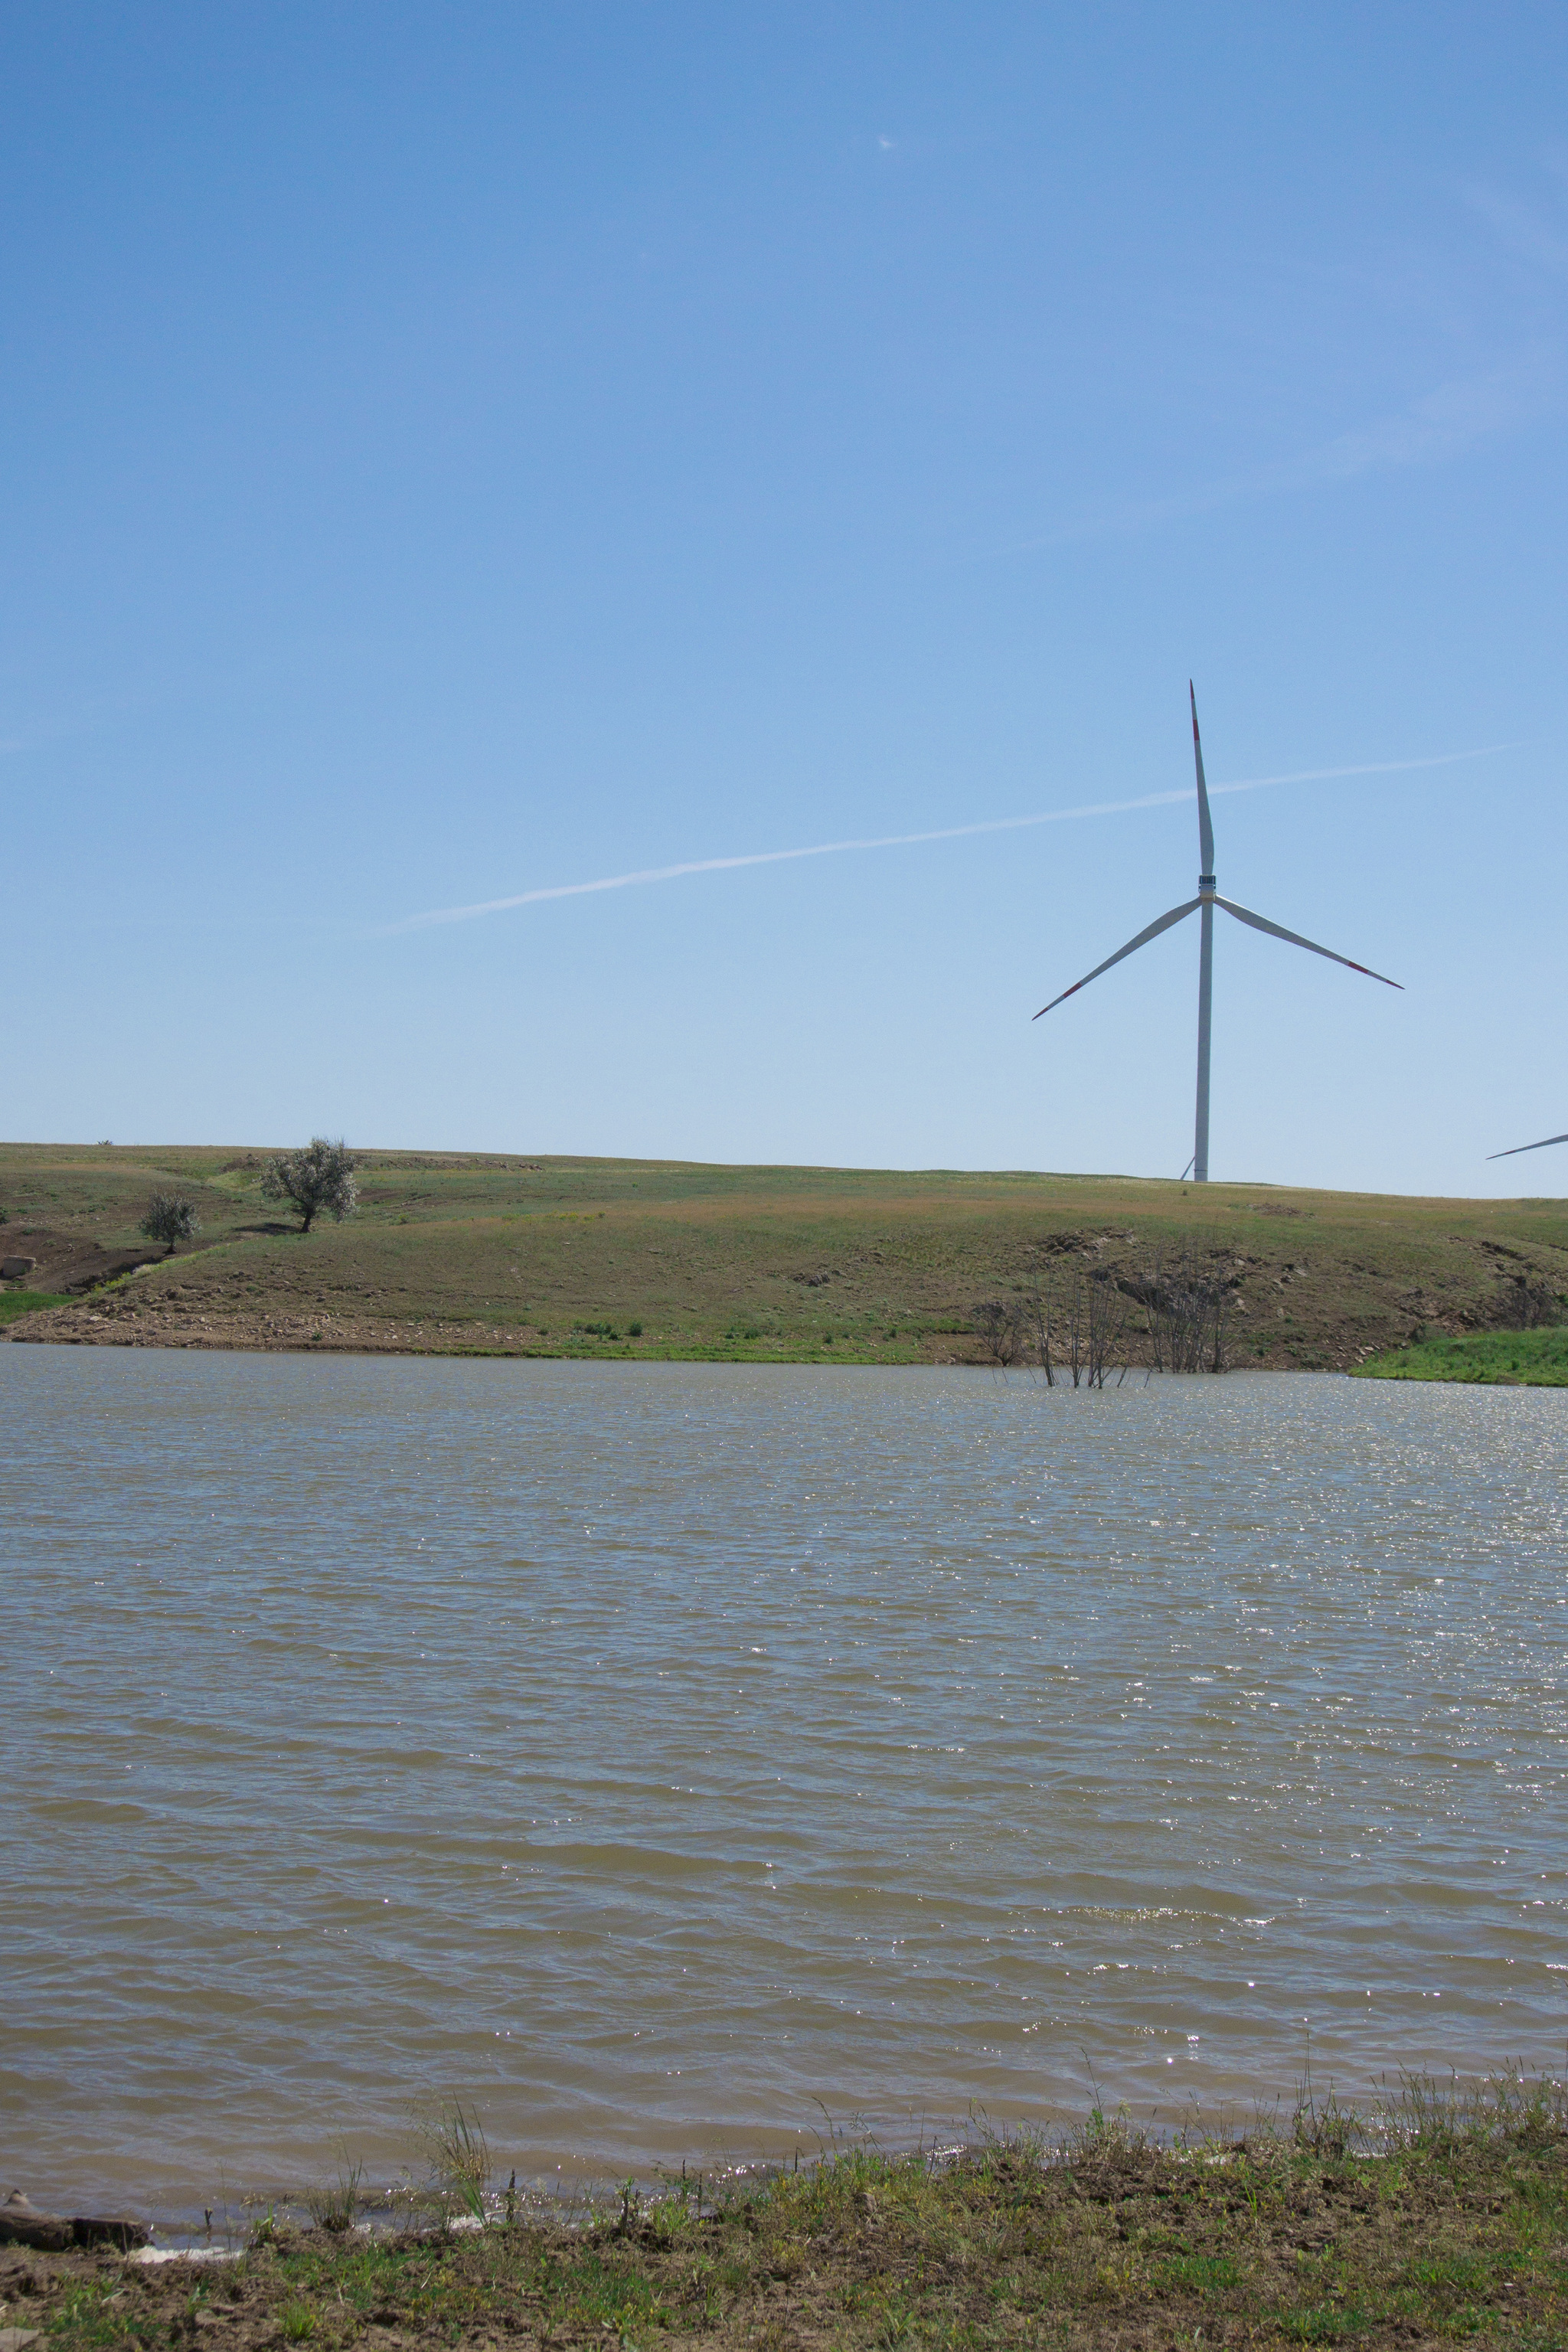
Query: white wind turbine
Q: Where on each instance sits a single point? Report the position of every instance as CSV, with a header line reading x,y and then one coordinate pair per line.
x,y
1203,905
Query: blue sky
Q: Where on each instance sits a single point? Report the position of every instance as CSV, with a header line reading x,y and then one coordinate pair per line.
x,y
456,452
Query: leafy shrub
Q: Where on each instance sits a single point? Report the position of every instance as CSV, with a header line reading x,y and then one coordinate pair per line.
x,y
170,1218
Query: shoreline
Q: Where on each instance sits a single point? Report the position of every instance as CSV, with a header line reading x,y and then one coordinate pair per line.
x,y
1453,2225
1016,1375
1491,1360
413,2180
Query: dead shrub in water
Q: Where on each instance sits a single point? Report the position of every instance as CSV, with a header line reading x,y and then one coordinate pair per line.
x,y
999,1324
1077,1324
1185,1308
1080,1316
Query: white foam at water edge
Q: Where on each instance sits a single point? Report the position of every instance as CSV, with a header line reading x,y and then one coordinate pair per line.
x,y
151,2257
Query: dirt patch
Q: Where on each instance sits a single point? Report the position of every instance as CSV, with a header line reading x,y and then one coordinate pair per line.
x,y
72,1262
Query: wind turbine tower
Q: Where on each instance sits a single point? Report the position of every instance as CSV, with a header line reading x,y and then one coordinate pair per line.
x,y
1202,905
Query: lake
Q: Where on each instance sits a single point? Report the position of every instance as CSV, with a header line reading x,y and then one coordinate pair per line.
x,y
680,1762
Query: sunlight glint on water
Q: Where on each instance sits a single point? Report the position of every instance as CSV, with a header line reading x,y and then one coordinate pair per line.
x,y
655,1753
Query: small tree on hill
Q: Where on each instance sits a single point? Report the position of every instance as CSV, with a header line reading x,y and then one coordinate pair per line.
x,y
322,1177
170,1218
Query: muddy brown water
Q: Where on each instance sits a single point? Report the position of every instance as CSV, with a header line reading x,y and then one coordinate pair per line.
x,y
682,1761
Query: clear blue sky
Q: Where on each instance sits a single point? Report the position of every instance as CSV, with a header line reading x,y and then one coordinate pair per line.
x,y
458,451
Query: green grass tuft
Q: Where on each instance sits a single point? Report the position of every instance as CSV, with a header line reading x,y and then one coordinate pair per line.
x,y
334,2205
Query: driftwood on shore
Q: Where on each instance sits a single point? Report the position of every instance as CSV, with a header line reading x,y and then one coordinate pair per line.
x,y
22,2224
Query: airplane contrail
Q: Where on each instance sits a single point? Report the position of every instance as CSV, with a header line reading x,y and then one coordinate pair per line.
x,y
911,840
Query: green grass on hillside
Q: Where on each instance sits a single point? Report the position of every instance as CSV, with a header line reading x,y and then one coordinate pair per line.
x,y
1537,1360
16,1303
483,1254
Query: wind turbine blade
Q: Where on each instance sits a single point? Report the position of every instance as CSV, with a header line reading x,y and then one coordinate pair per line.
x,y
1528,1147
1205,830
1176,915
1276,931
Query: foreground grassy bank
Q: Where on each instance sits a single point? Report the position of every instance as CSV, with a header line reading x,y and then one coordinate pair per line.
x,y
1457,2235
461,1253
1500,1358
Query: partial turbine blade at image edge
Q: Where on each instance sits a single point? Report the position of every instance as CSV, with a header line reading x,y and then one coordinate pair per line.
x,y
1278,931
1175,916
1515,1150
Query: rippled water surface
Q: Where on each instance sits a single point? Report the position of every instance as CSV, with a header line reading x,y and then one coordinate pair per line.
x,y
655,1753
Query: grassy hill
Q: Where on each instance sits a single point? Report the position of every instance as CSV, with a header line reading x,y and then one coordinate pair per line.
x,y
466,1251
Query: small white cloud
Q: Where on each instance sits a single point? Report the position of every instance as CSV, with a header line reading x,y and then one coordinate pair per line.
x,y
883,142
